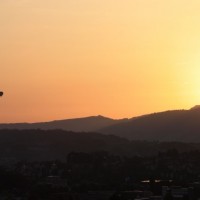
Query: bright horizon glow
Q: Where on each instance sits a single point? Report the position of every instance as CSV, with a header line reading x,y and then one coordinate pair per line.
x,y
119,59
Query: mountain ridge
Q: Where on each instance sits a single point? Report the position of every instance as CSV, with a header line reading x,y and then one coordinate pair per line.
x,y
84,124
172,125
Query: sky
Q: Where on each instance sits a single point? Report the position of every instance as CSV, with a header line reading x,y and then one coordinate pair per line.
x,y
117,58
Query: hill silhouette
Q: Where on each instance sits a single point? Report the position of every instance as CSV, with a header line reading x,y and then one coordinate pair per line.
x,y
177,125
57,144
195,107
87,124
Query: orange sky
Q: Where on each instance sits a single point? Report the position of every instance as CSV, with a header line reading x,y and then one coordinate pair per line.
x,y
118,58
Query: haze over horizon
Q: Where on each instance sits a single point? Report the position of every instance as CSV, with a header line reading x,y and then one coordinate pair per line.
x,y
114,58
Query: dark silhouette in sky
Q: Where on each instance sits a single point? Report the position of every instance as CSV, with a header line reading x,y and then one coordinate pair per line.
x,y
1,94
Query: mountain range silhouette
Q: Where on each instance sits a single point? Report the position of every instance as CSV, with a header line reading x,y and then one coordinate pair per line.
x,y
174,125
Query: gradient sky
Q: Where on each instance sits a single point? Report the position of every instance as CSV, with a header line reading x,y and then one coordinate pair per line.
x,y
118,58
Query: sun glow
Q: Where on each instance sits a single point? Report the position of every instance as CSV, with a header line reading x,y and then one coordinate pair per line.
x,y
188,80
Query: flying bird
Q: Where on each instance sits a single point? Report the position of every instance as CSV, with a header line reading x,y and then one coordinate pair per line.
x,y
1,94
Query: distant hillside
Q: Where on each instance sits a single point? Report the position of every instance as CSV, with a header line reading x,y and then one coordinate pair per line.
x,y
86,124
56,144
178,125
195,107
